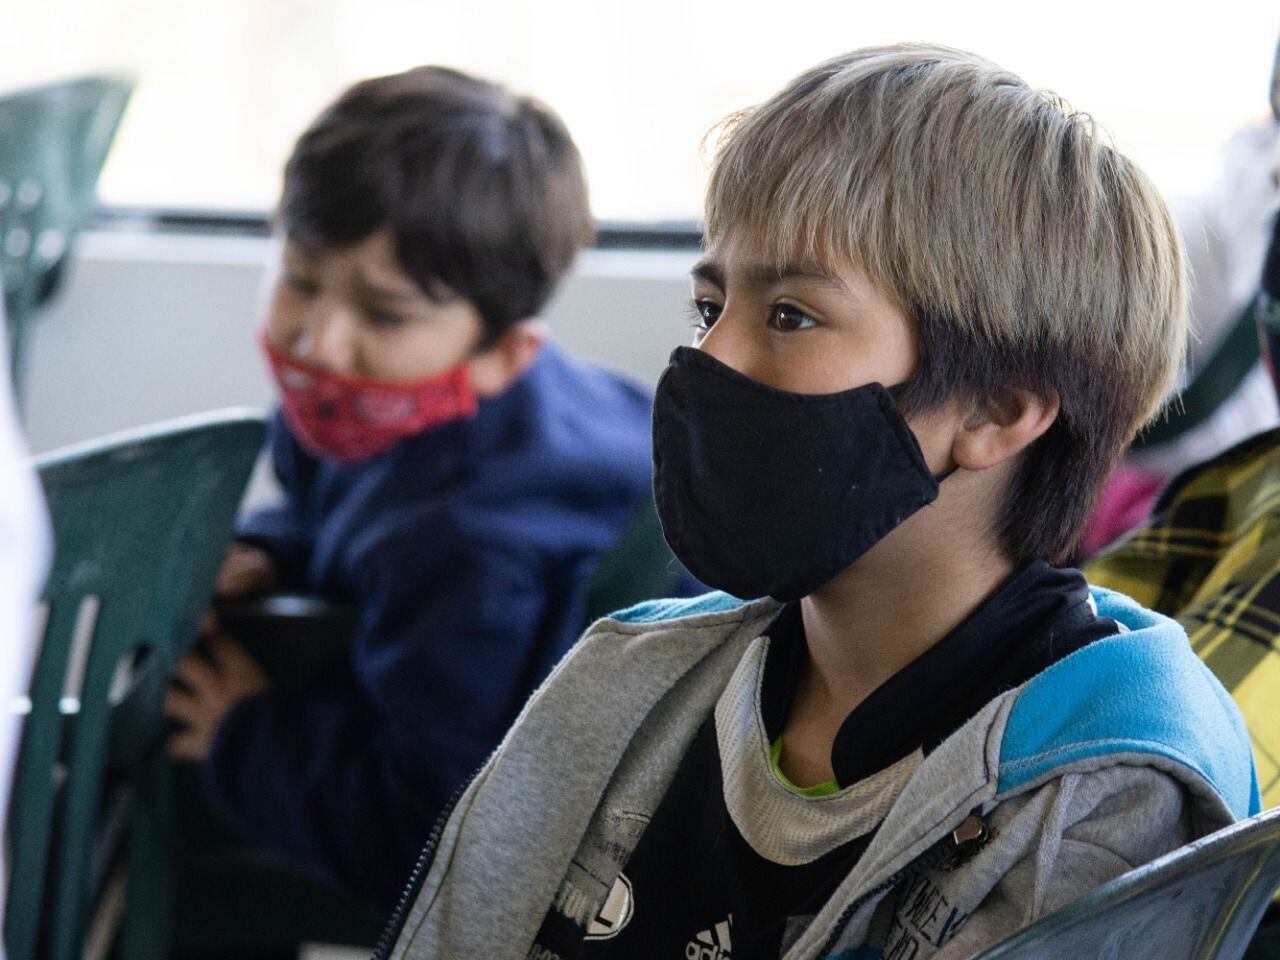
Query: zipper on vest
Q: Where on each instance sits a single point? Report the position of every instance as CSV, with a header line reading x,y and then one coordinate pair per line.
x,y
951,851
391,932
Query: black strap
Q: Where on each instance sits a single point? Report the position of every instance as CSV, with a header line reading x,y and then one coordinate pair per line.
x,y
1217,380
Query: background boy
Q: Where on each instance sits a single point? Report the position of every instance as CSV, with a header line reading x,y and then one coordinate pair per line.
x,y
928,735
444,469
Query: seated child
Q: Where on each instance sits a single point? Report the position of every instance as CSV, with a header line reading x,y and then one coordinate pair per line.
x,y
444,469
934,309
1209,556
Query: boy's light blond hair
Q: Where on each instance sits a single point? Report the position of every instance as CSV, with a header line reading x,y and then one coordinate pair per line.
x,y
1029,253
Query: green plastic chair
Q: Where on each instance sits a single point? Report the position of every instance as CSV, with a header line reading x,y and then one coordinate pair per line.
x,y
1200,902
54,140
141,523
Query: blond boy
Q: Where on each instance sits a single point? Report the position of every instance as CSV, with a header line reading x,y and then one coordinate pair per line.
x,y
934,309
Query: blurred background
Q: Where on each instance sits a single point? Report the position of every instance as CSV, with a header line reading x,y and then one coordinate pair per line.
x,y
146,308
156,318
224,88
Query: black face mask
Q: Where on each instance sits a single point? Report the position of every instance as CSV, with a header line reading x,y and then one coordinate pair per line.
x,y
761,491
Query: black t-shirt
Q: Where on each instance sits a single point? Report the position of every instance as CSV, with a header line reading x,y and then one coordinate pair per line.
x,y
698,889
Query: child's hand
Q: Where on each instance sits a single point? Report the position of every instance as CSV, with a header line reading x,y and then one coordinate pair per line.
x,y
207,693
245,570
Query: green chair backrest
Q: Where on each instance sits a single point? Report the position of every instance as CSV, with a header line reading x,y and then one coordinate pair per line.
x,y
54,140
141,523
640,566
21,206
1202,901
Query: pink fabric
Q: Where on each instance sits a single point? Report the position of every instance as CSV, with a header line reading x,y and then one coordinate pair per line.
x,y
1126,502
350,418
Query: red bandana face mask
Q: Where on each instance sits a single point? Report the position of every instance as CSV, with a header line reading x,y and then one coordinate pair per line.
x,y
350,418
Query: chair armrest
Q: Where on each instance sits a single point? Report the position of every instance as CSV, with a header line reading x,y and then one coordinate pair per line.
x,y
293,636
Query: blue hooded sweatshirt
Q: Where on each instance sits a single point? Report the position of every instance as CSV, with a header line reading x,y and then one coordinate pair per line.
x,y
467,552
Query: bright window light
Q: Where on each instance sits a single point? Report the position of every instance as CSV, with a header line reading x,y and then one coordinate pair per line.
x,y
226,86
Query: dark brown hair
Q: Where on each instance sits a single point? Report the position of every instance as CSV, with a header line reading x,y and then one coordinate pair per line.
x,y
483,190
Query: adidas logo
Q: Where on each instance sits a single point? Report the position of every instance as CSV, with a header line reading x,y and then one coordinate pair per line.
x,y
713,944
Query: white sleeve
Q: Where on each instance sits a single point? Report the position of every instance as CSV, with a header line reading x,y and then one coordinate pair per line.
x,y
24,562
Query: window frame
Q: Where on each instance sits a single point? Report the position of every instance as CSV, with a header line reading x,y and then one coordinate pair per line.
x,y
610,234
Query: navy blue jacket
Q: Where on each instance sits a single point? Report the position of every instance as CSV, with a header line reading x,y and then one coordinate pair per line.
x,y
467,551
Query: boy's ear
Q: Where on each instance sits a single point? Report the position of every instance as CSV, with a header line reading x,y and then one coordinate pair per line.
x,y
500,364
1002,428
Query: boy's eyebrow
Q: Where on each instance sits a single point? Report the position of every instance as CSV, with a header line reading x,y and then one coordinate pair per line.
x,y
375,291
710,271
765,274
292,253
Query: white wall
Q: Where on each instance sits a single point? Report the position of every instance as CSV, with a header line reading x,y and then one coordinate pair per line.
x,y
152,325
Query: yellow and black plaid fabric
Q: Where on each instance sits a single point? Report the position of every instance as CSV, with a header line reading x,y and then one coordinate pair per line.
x,y
1210,557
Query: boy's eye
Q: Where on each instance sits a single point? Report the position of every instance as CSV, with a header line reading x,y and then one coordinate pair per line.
x,y
299,284
706,313
787,318
384,318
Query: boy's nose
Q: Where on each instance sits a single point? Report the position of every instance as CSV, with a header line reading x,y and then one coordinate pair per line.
x,y
329,340
731,344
